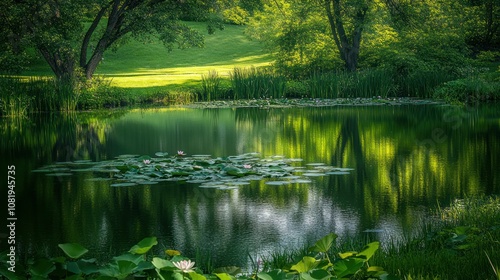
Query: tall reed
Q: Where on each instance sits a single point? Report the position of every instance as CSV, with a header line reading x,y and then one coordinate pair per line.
x,y
324,85
13,100
255,83
211,85
371,82
423,83
67,93
366,84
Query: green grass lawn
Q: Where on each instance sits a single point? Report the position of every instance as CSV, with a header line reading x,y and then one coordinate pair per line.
x,y
150,67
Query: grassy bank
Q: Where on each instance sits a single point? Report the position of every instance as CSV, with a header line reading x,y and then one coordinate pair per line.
x,y
149,68
230,66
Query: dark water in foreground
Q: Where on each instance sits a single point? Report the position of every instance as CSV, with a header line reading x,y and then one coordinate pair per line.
x,y
407,159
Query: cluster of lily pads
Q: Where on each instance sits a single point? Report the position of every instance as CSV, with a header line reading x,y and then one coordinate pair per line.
x,y
208,172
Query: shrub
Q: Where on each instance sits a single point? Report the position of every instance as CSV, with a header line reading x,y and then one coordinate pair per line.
x,y
468,90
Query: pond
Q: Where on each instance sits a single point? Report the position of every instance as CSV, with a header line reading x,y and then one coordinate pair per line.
x,y
402,161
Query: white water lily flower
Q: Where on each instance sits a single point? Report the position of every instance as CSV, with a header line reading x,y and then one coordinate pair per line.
x,y
185,265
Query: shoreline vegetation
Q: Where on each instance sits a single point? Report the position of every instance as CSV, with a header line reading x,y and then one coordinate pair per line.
x,y
244,87
232,68
461,241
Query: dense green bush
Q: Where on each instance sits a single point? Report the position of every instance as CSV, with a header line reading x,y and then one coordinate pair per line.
x,y
468,90
98,93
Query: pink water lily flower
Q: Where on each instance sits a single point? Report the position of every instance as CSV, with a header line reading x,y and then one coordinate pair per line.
x,y
147,161
247,166
185,265
181,153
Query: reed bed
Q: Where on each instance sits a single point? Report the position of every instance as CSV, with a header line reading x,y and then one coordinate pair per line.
x,y
255,83
20,97
211,84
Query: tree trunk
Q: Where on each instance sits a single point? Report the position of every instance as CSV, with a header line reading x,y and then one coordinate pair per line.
x,y
61,63
112,33
348,46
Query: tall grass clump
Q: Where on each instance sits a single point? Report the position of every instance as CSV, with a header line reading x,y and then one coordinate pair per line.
x,y
366,83
461,242
422,83
324,85
43,94
211,85
67,92
255,83
12,103
371,82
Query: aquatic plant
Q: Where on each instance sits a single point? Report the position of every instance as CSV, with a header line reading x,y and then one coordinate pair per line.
x,y
136,264
255,83
211,84
208,172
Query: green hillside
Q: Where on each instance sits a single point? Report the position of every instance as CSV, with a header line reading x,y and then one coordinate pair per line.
x,y
149,66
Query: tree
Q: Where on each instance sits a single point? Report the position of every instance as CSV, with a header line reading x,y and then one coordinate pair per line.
x,y
307,23
397,34
73,35
347,42
483,24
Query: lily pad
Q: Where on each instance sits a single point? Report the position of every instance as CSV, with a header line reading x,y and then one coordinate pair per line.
x,y
277,183
314,174
123,185
315,164
59,174
219,173
338,173
97,179
301,181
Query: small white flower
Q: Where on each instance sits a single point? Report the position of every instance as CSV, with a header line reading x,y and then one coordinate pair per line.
x,y
185,265
181,153
146,161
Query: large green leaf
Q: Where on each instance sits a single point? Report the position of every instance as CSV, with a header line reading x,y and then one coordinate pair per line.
x,y
121,269
347,267
169,275
231,270
324,244
276,274
316,274
42,268
83,267
369,250
223,276
129,257
160,263
10,275
144,245
306,264
73,250
196,276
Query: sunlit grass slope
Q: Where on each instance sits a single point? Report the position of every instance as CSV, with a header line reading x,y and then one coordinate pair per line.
x,y
150,65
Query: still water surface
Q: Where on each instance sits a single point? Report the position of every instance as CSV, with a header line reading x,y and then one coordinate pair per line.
x,y
406,160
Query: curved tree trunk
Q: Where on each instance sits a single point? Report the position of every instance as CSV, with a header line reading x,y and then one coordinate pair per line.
x,y
347,44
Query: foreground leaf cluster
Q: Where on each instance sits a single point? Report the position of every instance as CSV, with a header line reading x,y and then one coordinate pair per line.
x,y
137,263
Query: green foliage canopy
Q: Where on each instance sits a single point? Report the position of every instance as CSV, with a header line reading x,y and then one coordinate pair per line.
x,y
72,36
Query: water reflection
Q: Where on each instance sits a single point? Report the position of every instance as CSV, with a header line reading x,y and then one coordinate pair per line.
x,y
406,159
